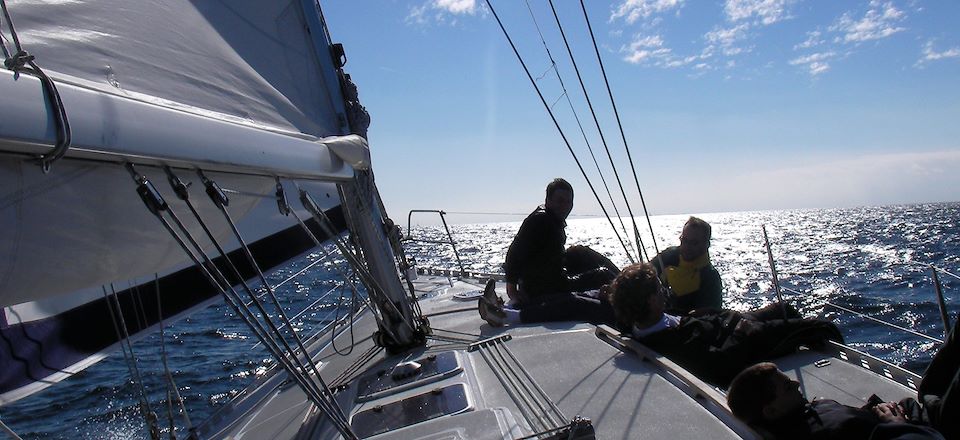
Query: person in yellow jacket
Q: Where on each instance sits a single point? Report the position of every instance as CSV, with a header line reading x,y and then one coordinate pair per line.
x,y
686,270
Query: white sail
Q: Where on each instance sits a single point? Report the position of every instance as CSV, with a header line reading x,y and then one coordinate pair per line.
x,y
246,91
246,61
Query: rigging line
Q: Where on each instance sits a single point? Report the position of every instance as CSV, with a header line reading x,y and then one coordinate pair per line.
x,y
510,388
297,373
542,412
246,250
155,203
336,318
147,411
533,382
181,191
603,139
6,429
938,269
583,132
166,366
558,100
300,272
557,125
354,260
307,308
343,274
871,318
623,136
120,338
545,72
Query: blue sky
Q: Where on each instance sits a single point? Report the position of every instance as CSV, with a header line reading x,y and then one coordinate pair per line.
x,y
726,105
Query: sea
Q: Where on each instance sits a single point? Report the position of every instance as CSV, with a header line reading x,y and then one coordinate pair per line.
x,y
875,261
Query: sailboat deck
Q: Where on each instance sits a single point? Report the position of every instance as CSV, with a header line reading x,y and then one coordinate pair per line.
x,y
523,380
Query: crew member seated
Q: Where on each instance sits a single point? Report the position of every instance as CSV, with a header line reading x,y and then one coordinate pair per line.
x,y
714,345
688,272
537,266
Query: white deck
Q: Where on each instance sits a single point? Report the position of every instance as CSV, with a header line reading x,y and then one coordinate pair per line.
x,y
624,394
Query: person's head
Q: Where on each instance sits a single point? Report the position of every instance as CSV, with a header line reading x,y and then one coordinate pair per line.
x,y
637,296
762,394
695,238
559,198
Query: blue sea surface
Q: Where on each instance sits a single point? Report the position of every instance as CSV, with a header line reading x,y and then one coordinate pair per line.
x,y
872,260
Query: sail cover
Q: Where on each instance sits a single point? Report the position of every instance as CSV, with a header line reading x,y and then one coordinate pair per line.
x,y
263,63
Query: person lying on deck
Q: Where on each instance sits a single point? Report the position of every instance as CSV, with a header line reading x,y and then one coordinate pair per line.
x,y
687,271
714,345
766,399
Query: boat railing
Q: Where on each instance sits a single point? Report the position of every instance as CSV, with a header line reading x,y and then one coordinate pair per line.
x,y
409,237
941,303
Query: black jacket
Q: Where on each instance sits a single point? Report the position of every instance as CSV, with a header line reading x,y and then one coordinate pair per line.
x,y
828,420
535,258
715,349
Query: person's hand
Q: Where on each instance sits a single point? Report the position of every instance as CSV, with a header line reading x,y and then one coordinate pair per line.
x,y
890,412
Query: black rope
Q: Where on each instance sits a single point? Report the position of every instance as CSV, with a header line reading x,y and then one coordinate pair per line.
x,y
22,62
641,251
623,136
556,123
553,65
334,410
166,368
157,206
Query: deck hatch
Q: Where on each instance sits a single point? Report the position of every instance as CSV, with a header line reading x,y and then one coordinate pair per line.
x,y
433,368
439,402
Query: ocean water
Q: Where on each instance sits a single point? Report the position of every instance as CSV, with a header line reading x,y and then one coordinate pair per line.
x,y
872,260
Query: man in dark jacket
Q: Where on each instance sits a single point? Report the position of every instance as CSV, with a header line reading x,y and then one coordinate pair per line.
x,y
764,397
537,261
771,402
715,345
687,271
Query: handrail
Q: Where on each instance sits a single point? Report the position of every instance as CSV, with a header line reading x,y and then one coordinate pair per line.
x,y
449,241
879,321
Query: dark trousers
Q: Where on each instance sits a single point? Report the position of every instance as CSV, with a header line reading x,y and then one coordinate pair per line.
x,y
569,307
584,269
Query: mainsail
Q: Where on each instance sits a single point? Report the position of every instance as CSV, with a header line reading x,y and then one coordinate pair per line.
x,y
248,92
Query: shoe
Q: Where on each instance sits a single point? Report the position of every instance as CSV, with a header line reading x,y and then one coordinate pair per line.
x,y
492,313
490,294
491,306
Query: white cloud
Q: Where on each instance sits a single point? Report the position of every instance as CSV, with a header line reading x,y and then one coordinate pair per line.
x,y
766,11
813,39
650,50
727,38
929,54
645,49
442,11
456,6
816,63
879,22
633,10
